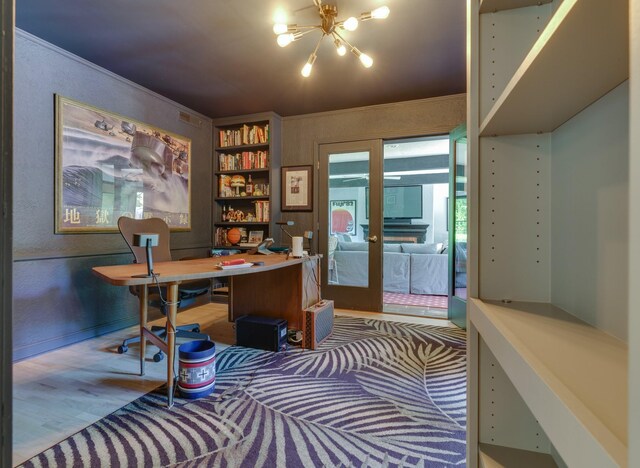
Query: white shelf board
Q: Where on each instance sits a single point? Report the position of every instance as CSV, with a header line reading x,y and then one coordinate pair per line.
x,y
580,56
496,456
572,376
490,6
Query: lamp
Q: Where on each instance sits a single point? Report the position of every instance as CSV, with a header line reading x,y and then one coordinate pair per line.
x,y
146,240
329,26
282,224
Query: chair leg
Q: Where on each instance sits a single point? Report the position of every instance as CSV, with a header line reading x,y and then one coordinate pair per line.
x,y
193,327
124,347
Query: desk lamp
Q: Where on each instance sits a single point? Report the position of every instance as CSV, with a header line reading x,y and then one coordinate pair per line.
x,y
296,247
147,240
282,224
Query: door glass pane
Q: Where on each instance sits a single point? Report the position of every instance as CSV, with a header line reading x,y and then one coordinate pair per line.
x,y
348,250
461,220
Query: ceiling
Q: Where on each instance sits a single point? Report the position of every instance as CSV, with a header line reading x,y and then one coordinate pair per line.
x,y
220,57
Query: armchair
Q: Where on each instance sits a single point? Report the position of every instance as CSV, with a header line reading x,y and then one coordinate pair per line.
x,y
187,291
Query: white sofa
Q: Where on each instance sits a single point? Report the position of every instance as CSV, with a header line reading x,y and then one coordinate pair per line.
x,y
407,268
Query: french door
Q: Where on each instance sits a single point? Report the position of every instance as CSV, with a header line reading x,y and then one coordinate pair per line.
x,y
458,221
350,234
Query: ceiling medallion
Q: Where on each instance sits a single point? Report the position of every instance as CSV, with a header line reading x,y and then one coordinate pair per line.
x,y
329,26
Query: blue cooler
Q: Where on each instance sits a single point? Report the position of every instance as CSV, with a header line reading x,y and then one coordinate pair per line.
x,y
196,368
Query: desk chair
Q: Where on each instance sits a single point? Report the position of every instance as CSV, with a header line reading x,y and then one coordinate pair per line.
x,y
187,291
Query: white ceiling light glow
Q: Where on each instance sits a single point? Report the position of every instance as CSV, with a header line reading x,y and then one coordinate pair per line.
x,y
329,26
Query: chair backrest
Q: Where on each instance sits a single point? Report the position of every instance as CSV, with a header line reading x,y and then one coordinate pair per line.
x,y
129,226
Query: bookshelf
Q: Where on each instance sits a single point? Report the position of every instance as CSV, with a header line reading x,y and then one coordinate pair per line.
x,y
549,310
246,179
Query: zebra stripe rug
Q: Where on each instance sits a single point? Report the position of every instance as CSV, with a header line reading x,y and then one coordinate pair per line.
x,y
375,394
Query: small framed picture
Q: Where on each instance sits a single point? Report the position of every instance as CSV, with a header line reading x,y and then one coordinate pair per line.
x,y
297,188
255,237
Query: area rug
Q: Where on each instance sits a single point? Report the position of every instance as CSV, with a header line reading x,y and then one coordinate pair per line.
x,y
377,393
418,300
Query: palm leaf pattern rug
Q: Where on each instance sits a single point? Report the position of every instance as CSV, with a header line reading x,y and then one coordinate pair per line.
x,y
376,393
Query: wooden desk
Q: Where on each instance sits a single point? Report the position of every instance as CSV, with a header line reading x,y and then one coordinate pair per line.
x,y
281,288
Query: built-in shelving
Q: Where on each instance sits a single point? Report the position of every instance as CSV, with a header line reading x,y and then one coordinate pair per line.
x,y
572,376
242,171
231,149
495,456
548,127
242,223
259,162
266,197
489,6
580,56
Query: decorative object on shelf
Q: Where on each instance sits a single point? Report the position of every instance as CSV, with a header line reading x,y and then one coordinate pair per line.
x,y
297,188
329,26
237,181
103,159
343,217
255,237
234,236
249,187
224,186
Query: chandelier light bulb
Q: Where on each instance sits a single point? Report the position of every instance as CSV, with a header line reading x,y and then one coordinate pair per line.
x,y
366,60
380,12
306,70
340,48
285,39
280,28
350,24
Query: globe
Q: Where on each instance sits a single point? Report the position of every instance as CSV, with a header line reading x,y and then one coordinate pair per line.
x,y
234,236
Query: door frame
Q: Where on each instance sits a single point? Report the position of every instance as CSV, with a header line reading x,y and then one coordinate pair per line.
x,y
6,244
351,297
457,308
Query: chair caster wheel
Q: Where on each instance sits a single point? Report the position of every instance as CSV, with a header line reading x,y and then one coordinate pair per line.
x,y
196,330
122,349
159,356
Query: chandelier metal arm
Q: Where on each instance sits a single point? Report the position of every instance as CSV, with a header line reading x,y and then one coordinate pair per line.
x,y
318,44
351,46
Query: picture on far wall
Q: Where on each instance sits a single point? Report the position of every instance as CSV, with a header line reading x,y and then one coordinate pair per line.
x,y
343,217
296,188
107,166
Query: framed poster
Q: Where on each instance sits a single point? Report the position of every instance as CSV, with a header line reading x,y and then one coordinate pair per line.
x,y
107,166
296,188
343,217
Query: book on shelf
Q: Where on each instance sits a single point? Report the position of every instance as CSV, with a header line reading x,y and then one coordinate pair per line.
x,y
245,135
243,161
262,211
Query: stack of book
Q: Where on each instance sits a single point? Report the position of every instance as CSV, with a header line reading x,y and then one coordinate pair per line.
x,y
245,135
243,161
262,211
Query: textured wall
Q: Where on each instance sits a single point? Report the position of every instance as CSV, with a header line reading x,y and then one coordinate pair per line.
x,y
57,301
302,134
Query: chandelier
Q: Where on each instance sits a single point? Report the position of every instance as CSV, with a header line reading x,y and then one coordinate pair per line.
x,y
329,26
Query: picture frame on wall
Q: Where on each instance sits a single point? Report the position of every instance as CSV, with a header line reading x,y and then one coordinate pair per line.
x,y
343,217
108,165
297,189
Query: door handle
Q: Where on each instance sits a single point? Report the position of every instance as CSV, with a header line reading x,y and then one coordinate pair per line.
x,y
372,239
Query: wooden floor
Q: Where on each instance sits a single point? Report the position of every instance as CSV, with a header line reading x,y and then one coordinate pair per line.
x,y
63,391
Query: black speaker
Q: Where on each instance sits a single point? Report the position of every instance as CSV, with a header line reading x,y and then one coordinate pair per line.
x,y
261,333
